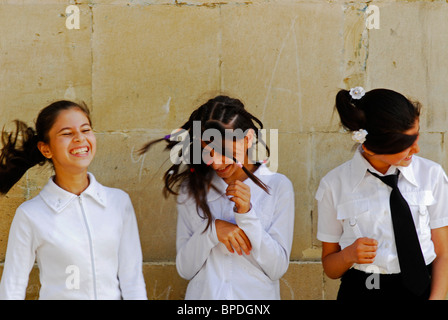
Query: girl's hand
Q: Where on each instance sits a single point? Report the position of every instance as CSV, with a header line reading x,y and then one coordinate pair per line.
x,y
240,193
362,251
232,237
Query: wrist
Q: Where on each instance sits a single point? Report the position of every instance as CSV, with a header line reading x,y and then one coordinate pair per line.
x,y
242,210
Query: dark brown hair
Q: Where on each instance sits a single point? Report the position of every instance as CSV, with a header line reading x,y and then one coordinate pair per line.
x,y
384,114
19,148
218,113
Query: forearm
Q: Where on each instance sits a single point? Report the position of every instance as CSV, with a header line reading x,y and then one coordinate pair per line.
x,y
336,264
194,250
439,281
271,249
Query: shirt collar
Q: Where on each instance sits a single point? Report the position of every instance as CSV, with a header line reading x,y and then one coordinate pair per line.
x,y
58,199
221,185
360,165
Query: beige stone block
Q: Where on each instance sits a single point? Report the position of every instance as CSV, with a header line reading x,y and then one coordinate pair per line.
x,y
163,282
282,63
153,73
431,146
41,60
407,54
294,161
302,281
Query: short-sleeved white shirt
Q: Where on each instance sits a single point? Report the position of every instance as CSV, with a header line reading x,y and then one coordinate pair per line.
x,y
352,203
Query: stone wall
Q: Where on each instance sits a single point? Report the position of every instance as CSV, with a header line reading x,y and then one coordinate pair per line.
x,y
143,65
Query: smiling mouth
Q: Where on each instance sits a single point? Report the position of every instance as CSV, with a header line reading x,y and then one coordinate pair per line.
x,y
79,151
223,169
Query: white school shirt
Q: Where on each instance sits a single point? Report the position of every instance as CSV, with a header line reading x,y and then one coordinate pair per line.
x,y
352,203
213,271
86,247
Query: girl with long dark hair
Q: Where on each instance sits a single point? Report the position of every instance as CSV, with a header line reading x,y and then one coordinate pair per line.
x,y
83,235
235,216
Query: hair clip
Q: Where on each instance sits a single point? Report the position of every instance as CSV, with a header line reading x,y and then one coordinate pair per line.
x,y
359,136
357,93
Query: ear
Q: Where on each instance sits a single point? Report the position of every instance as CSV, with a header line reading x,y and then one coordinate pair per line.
x,y
44,149
367,151
249,138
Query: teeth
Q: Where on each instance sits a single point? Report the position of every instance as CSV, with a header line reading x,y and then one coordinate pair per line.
x,y
80,150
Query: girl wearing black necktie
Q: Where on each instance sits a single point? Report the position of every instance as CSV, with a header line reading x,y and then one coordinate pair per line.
x,y
383,217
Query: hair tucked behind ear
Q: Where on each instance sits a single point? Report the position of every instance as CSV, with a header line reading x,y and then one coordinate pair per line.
x,y
219,112
20,152
384,114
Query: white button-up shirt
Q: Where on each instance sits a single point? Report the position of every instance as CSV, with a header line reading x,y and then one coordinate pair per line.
x,y
352,203
86,247
213,271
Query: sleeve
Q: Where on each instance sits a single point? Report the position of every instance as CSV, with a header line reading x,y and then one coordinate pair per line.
x,y
19,260
329,228
271,248
130,274
193,244
438,212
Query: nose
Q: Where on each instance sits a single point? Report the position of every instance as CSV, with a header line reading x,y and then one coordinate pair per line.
x,y
415,146
78,137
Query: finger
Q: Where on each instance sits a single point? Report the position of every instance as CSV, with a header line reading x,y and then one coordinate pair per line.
x,y
369,248
243,244
242,206
241,185
235,245
238,195
228,246
369,242
246,239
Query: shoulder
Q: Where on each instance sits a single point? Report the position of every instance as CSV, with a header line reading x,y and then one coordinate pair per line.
x,y
184,197
338,173
420,163
278,183
336,179
427,170
32,205
102,192
115,193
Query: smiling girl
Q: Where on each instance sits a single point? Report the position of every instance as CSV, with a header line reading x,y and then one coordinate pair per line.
x,y
235,216
356,224
83,235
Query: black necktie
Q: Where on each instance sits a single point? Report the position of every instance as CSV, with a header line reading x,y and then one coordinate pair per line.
x,y
414,272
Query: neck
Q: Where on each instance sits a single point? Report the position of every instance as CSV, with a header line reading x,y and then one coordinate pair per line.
x,y
378,165
73,183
